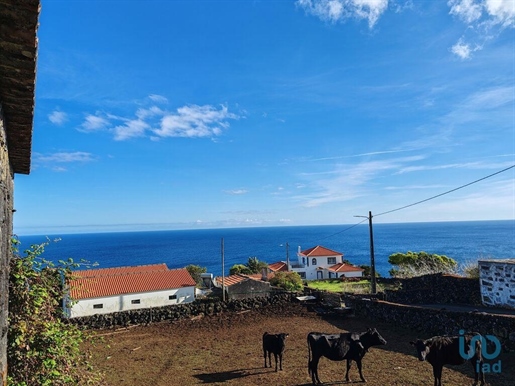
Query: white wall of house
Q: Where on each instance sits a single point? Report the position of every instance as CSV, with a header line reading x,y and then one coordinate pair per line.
x,y
110,304
344,274
310,270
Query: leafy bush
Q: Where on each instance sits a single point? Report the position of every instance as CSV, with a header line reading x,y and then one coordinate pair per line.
x,y
420,263
196,271
290,281
240,268
254,265
43,349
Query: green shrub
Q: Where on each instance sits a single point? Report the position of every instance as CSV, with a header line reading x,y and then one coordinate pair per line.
x,y
43,349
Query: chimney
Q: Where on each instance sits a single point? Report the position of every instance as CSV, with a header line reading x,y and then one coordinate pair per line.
x,y
264,274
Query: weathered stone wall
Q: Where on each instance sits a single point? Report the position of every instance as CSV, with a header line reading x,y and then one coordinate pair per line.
x,y
249,289
437,322
198,308
436,288
6,206
497,279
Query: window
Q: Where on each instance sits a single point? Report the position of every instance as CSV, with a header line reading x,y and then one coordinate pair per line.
x,y
136,301
302,275
314,262
303,260
172,297
98,306
331,260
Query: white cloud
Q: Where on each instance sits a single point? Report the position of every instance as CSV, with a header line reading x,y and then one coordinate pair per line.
x,y
467,10
195,121
64,157
158,98
57,117
236,192
485,19
94,123
502,11
188,121
461,49
132,128
338,10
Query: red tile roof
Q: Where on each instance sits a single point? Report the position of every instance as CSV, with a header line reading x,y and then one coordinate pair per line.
x,y
279,266
320,251
238,278
341,267
132,281
120,270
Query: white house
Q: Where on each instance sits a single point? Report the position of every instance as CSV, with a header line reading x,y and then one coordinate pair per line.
x,y
318,263
108,290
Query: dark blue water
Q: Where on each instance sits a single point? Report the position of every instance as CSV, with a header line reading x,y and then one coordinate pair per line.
x,y
463,241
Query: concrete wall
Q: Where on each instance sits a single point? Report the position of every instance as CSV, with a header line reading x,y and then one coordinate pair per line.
x,y
6,224
111,304
497,278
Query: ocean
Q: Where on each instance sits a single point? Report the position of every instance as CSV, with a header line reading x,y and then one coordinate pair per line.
x,y
466,242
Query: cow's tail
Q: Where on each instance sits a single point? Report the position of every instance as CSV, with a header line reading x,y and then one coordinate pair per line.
x,y
309,357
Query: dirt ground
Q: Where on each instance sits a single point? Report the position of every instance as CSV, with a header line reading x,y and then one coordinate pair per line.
x,y
226,350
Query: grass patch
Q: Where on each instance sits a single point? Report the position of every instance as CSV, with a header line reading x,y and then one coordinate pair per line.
x,y
336,285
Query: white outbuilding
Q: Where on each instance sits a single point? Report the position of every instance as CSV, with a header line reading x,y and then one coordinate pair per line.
x,y
108,290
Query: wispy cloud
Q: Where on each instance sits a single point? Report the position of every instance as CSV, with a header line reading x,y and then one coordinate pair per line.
x,y
57,117
64,157
333,11
191,121
56,161
158,98
484,20
93,123
236,192
195,121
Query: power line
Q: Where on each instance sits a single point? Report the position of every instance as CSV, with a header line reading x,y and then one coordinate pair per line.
x,y
444,193
425,200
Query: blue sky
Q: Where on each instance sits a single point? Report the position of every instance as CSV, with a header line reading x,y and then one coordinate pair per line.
x,y
203,114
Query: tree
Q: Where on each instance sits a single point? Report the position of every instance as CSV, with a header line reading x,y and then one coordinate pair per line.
x,y
240,268
255,265
43,349
196,272
290,281
420,263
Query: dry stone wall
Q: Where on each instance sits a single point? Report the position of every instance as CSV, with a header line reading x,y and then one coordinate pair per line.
x,y
497,282
198,308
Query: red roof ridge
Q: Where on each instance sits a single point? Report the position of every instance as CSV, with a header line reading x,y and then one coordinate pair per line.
x,y
319,250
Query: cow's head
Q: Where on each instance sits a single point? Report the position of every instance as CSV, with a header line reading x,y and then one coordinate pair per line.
x,y
375,338
422,349
283,336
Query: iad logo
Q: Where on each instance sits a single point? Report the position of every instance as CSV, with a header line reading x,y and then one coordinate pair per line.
x,y
494,367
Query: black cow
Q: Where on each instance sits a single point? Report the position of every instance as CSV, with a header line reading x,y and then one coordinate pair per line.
x,y
274,344
445,350
337,347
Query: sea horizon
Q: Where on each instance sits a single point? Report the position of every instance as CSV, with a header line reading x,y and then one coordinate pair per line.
x,y
157,227
464,241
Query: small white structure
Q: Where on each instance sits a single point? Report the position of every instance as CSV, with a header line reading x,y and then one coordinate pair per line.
x,y
497,282
318,263
108,290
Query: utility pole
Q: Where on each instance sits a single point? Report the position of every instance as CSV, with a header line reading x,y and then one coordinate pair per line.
x,y
223,271
287,258
373,280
